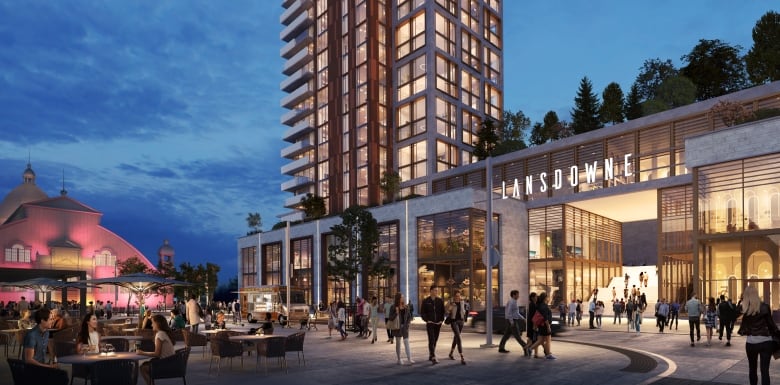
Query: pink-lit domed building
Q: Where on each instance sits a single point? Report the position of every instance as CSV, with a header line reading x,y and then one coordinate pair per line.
x,y
60,238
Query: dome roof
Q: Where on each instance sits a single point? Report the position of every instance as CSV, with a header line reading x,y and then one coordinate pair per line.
x,y
24,193
166,250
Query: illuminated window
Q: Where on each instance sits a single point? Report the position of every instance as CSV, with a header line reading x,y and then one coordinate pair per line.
x,y
446,118
470,126
407,6
446,156
411,78
492,102
105,258
411,118
445,34
492,65
470,50
272,264
470,89
249,266
492,29
411,161
410,35
469,14
17,253
450,5
446,76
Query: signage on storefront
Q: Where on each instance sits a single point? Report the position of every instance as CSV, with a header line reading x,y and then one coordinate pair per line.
x,y
608,173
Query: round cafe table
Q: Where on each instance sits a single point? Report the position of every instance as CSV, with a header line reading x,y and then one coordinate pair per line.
x,y
91,358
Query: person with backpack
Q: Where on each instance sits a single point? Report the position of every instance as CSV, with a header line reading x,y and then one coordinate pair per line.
x,y
544,328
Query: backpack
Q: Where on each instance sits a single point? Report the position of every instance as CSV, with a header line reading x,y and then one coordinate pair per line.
x,y
538,319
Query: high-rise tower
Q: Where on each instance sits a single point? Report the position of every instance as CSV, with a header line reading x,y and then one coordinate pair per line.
x,y
377,85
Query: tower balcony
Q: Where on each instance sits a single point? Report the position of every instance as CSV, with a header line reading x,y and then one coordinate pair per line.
x,y
297,96
296,165
297,26
296,148
302,41
296,182
298,78
295,8
297,62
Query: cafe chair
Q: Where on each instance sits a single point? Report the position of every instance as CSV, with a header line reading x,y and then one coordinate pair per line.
x,y
193,339
114,372
294,343
224,348
23,374
5,340
272,347
68,348
174,366
119,344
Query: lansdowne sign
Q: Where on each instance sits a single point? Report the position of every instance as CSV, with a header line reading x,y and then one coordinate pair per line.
x,y
608,172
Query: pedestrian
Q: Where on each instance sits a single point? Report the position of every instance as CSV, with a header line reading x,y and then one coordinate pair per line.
x,y
572,311
530,329
674,314
617,308
432,313
592,312
358,317
109,310
457,314
545,331
36,340
364,321
236,311
727,314
614,294
341,318
630,308
579,311
661,314
758,326
639,311
193,314
599,311
641,277
626,280
710,318
333,317
388,306
562,311
372,317
88,338
401,318
693,308
513,320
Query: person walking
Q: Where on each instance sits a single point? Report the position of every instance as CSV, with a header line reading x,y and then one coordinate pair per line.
x,y
373,315
710,318
639,311
341,318
388,306
513,320
598,312
592,312
693,308
758,326
630,308
663,312
545,331
727,314
674,314
432,313
456,313
530,329
617,309
572,311
401,317
333,316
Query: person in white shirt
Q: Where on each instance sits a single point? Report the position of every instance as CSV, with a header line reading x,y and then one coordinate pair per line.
x,y
513,319
193,314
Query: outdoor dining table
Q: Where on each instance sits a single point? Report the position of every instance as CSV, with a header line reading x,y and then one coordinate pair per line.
x,y
252,337
91,358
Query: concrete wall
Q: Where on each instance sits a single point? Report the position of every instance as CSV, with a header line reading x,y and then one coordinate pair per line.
x,y
740,142
640,243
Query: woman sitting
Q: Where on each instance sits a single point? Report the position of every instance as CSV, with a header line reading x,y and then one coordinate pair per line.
x,y
163,344
220,323
88,339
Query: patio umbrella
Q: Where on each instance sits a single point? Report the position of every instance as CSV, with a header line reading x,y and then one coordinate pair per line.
x,y
138,283
44,285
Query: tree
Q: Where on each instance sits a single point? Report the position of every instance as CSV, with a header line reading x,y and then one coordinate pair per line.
x,y
511,132
354,249
165,270
487,139
676,91
132,265
715,68
538,135
651,75
763,59
254,221
204,278
585,115
390,184
633,107
550,129
612,106
731,113
313,206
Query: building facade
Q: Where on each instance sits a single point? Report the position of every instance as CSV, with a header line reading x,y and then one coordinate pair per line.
x,y
384,85
60,238
679,196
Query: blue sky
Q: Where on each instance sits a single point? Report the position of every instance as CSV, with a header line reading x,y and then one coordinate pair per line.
x,y
165,115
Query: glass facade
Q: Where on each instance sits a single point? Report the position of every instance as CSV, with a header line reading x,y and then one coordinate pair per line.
x,y
738,212
572,252
450,247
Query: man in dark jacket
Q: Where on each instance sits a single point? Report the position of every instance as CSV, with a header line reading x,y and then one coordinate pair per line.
x,y
432,313
727,314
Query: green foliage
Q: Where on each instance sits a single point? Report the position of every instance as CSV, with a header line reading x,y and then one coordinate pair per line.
x,y
651,75
612,106
200,276
716,69
132,265
354,250
390,184
487,139
313,206
763,59
255,222
549,130
538,135
764,113
585,115
677,91
512,129
633,106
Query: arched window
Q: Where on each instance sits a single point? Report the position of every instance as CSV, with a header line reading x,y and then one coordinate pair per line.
x,y
17,253
105,258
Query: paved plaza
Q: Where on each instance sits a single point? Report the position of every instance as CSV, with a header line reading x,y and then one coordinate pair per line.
x,y
611,355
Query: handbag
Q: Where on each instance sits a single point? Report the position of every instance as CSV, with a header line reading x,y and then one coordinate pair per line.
x,y
538,319
394,324
447,320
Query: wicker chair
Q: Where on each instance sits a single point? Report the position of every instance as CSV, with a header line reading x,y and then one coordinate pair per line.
x,y
174,366
24,374
224,348
272,347
193,339
295,344
115,372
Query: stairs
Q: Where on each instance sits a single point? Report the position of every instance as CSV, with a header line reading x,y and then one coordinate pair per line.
x,y
619,283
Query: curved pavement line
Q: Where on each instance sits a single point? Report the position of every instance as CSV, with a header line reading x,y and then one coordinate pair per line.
x,y
671,365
